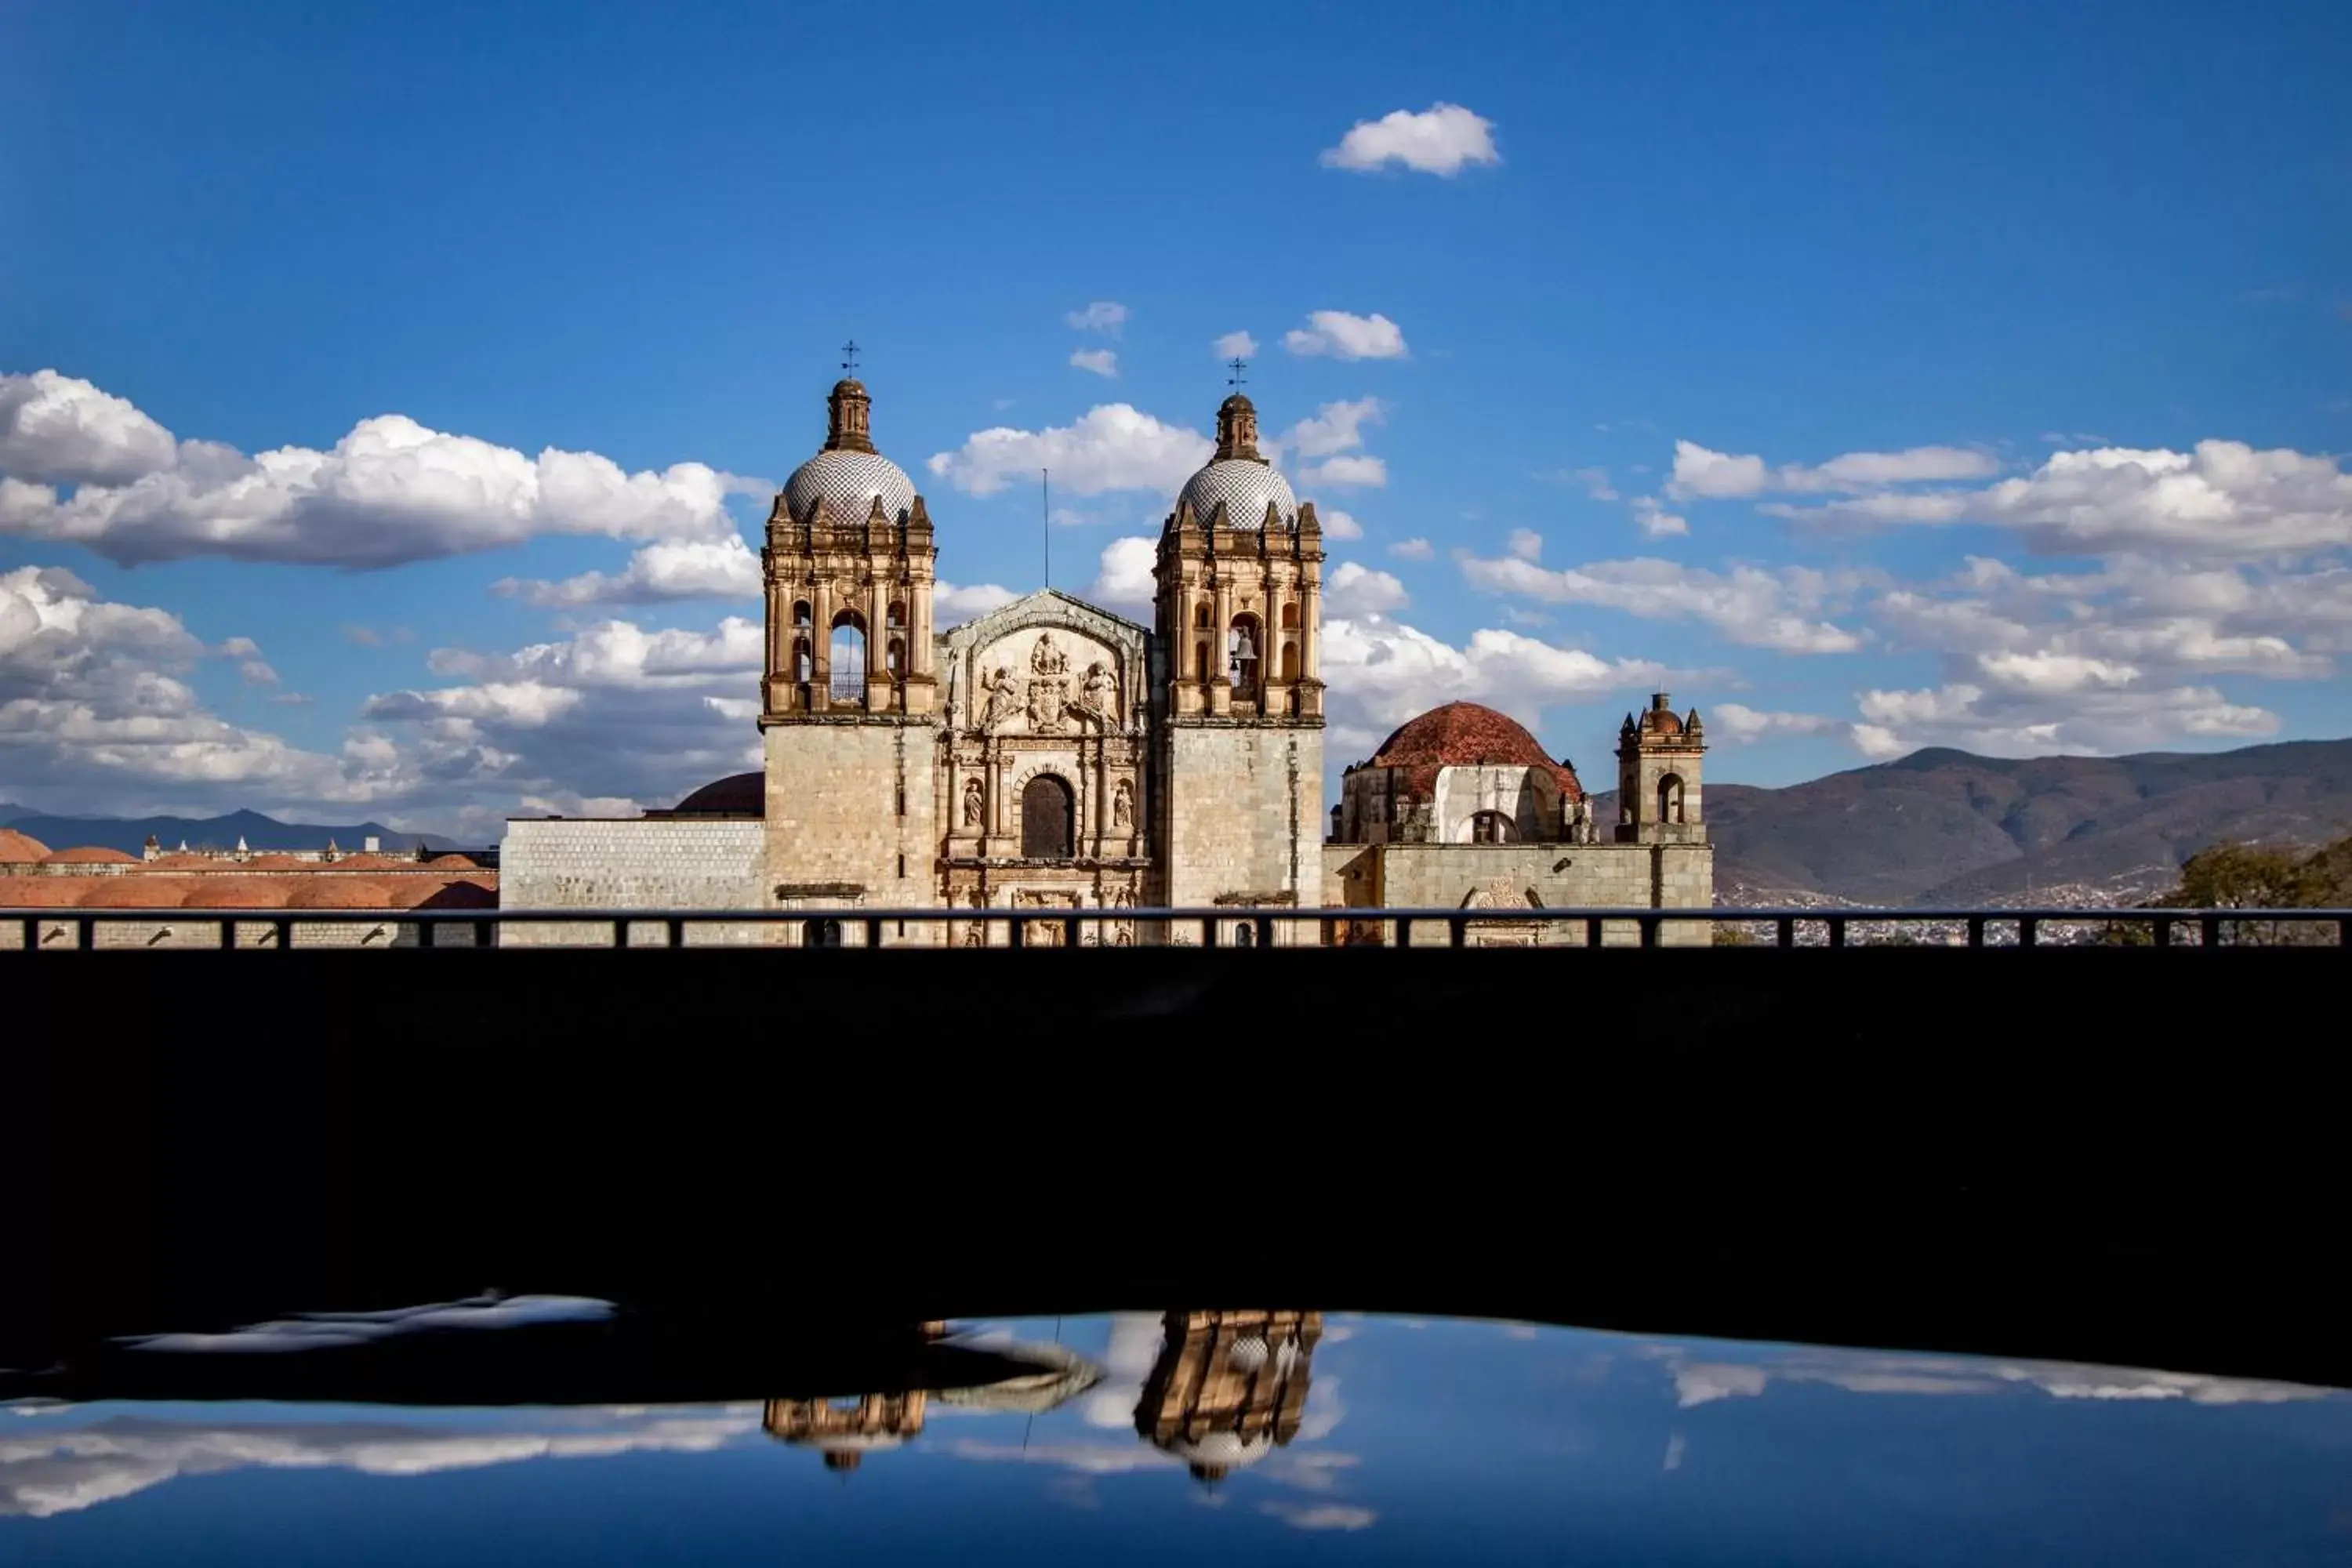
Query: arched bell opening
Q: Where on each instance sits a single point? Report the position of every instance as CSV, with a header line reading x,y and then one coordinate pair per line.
x,y
1670,798
1244,653
847,684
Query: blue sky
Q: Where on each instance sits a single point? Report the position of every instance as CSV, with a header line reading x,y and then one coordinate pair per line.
x,y
1872,377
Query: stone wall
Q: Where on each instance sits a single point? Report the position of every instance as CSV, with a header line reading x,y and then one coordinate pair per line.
x,y
639,863
1535,877
853,820
1243,816
201,927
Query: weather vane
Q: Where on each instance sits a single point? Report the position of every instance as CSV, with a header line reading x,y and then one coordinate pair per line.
x,y
1237,366
849,355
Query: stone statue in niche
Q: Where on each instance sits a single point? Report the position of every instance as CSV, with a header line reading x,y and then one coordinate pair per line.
x,y
1003,698
1100,697
1122,806
975,796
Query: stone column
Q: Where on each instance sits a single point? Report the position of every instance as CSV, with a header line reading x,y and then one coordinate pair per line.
x,y
821,648
1220,685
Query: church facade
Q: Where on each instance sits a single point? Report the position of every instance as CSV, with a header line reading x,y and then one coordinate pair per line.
x,y
1048,755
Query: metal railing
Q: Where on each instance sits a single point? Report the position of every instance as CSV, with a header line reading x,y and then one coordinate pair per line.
x,y
1239,927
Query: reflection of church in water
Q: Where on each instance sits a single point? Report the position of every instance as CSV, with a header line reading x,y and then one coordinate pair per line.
x,y
1226,1389
1229,1387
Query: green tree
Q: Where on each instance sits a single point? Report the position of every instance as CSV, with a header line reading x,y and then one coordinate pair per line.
x,y
2254,877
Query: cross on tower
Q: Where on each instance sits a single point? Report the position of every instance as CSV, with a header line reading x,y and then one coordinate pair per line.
x,y
849,355
1237,366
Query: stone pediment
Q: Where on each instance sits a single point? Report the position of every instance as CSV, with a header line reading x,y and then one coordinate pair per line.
x,y
1046,665
1047,607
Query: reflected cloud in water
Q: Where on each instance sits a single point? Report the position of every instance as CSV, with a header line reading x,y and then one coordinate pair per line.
x,y
1214,1430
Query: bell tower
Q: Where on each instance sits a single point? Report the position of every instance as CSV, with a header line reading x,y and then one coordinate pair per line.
x,y
1238,609
849,697
1658,776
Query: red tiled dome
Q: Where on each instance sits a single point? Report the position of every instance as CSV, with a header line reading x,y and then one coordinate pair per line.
x,y
338,893
188,862
367,861
1464,735
136,892
16,846
451,862
217,893
278,863
459,894
40,892
89,855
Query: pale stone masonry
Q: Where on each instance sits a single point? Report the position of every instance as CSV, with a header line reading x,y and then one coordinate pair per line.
x,y
638,863
1050,755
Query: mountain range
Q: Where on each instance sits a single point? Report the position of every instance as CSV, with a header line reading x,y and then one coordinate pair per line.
x,y
1947,827
259,832
1937,827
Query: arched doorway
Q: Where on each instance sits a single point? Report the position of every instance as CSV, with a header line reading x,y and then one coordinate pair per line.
x,y
1670,798
821,933
1049,825
1493,828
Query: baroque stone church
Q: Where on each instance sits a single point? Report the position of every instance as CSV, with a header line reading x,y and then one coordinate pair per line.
x,y
1053,755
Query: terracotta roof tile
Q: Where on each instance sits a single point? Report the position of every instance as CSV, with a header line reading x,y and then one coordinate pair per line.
x,y
279,863
137,891
1466,734
16,846
89,855
40,892
219,892
338,893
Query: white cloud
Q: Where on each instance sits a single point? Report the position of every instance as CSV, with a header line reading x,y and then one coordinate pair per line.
x,y
95,708
2050,711
1353,589
1353,470
1595,482
1321,1516
1113,446
51,1470
1235,345
615,711
1701,473
952,604
1338,524
1125,580
1381,673
1101,361
1654,521
61,430
1775,609
390,491
1698,1382
1736,721
1414,550
1525,543
680,569
1349,337
1106,316
1335,433
1439,140
1334,428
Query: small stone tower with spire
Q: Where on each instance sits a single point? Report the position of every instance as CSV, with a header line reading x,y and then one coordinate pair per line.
x,y
849,698
1658,776
1238,609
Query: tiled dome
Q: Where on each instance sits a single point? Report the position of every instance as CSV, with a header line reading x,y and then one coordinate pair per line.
x,y
16,846
1244,484
1466,734
89,855
847,483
